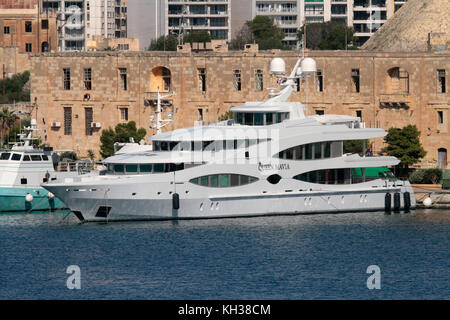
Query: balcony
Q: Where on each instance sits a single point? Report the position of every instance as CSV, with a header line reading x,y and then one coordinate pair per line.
x,y
395,100
151,99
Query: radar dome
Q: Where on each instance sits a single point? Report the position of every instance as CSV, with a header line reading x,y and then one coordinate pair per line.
x,y
277,66
308,65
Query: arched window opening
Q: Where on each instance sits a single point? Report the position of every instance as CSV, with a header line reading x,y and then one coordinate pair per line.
x,y
44,46
442,158
397,81
160,78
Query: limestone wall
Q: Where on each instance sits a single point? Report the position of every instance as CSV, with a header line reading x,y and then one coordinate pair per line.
x,y
377,100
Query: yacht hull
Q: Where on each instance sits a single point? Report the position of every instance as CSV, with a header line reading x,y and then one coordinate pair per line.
x,y
114,206
13,199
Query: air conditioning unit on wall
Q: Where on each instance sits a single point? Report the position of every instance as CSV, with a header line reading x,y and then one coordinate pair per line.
x,y
56,124
96,125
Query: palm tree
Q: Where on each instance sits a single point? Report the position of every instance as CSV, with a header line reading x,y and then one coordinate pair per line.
x,y
7,120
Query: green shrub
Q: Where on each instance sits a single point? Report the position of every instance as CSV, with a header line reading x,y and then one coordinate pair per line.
x,y
416,176
426,176
432,175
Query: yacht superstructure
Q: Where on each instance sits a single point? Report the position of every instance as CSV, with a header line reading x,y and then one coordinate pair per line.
x,y
22,169
270,159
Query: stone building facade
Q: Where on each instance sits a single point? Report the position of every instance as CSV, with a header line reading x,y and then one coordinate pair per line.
x,y
72,91
14,61
28,27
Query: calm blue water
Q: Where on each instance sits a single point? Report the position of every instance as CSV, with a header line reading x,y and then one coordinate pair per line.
x,y
285,257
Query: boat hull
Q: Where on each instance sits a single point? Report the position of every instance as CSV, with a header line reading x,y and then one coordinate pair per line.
x,y
90,207
13,199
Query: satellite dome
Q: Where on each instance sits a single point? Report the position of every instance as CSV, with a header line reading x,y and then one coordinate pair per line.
x,y
277,66
308,65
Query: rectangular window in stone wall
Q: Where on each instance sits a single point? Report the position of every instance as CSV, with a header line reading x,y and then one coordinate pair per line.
x,y
123,78
441,81
319,81
259,80
124,114
66,78
28,27
440,117
44,24
88,79
202,79
28,47
68,121
237,80
6,30
355,80
88,119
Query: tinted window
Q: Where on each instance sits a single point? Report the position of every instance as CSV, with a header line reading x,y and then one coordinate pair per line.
x,y
16,157
145,168
44,157
119,168
5,156
26,158
234,180
259,119
223,180
269,118
317,150
35,157
214,181
131,168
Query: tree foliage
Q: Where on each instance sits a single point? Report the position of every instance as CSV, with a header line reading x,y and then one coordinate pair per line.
x,y
243,37
226,116
121,133
15,88
355,146
198,36
330,35
404,144
12,130
164,43
266,34
71,155
427,176
7,121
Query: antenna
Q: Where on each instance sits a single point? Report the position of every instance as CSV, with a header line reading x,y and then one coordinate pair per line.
x,y
160,123
304,67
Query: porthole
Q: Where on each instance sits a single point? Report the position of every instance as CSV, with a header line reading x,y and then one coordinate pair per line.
x,y
274,178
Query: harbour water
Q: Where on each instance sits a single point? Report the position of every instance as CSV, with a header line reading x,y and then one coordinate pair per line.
x,y
280,257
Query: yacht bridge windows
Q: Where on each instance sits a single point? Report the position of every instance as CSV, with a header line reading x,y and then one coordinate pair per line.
x,y
146,168
313,151
260,118
208,145
18,156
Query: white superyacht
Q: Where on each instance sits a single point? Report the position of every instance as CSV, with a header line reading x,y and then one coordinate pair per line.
x,y
270,159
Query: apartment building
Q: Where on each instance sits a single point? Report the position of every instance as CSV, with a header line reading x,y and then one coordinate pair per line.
x,y
365,16
106,18
81,20
212,16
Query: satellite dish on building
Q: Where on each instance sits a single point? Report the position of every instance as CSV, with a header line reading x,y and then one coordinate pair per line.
x,y
277,66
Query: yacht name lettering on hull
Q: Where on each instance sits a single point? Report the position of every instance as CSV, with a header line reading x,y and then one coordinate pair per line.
x,y
270,167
